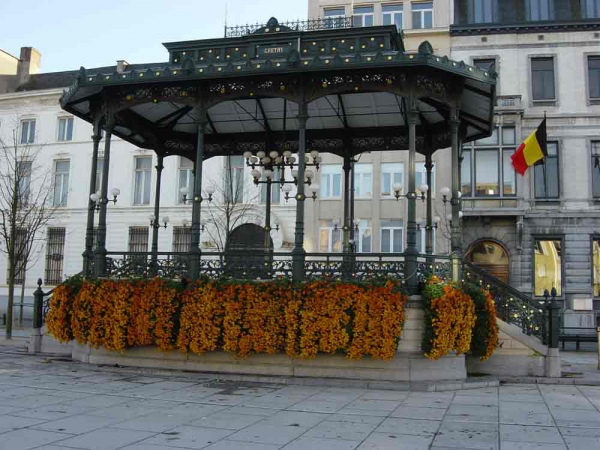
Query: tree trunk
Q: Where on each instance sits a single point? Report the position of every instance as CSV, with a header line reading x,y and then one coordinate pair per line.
x,y
12,258
22,299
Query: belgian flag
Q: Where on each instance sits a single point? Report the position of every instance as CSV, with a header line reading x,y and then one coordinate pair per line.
x,y
532,150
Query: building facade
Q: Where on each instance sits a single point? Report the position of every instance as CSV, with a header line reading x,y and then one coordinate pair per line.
x,y
540,231
535,232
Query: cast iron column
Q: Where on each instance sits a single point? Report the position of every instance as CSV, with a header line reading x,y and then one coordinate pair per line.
x,y
156,225
195,254
298,253
268,216
348,224
455,201
411,265
88,254
100,252
429,219
352,231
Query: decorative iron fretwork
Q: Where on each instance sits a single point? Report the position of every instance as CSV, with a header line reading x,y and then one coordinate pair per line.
x,y
282,27
512,306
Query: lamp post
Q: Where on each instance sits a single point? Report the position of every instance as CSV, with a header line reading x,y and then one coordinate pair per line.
x,y
397,187
277,163
97,200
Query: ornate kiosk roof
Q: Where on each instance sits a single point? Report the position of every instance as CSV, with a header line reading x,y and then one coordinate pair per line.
x,y
357,82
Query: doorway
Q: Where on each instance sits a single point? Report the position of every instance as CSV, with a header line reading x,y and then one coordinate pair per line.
x,y
491,257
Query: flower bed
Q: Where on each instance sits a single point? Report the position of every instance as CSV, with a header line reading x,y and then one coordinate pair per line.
x,y
460,319
242,318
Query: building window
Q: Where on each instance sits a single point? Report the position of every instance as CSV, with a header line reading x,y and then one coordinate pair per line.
x,y
391,236
275,189
138,239
590,9
485,64
182,239
234,179
537,10
596,168
594,77
486,169
186,178
596,266
421,176
546,174
330,236
481,11
61,183
65,129
55,252
364,238
24,179
363,176
334,17
391,174
547,266
27,131
331,181
363,16
143,181
393,14
422,15
542,79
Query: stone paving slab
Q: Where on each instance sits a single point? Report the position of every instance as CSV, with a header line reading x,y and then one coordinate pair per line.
x,y
49,404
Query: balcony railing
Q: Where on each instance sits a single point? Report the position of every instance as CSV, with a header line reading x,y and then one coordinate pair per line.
x,y
326,23
259,265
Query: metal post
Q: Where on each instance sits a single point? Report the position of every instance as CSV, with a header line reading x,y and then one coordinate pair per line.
x,y
156,224
100,252
598,331
268,216
429,218
348,226
456,246
195,253
411,266
38,302
88,254
298,253
553,328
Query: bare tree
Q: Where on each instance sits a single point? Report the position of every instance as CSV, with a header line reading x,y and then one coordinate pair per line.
x,y
234,203
25,207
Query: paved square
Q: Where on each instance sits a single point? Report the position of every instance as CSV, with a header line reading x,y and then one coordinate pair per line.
x,y
52,404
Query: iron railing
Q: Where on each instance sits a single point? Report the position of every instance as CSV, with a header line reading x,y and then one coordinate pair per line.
x,y
326,23
512,306
259,265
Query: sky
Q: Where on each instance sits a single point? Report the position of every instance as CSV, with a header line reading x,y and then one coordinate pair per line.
x,y
70,34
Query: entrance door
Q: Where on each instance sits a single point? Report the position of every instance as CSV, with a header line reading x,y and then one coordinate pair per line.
x,y
245,252
492,258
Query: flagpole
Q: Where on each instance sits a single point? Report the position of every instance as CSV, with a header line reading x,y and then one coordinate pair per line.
x,y
544,169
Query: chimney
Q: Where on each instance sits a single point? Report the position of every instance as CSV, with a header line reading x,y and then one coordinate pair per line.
x,y
29,64
121,65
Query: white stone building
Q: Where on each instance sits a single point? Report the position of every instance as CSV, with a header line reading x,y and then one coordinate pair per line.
x,y
547,223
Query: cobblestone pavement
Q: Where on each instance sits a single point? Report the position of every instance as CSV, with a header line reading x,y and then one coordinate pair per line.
x,y
53,404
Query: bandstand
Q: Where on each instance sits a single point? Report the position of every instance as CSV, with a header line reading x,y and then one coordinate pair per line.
x,y
281,94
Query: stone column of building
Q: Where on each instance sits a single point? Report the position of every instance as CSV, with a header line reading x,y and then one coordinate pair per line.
x,y
100,252
195,253
298,253
411,266
88,253
156,224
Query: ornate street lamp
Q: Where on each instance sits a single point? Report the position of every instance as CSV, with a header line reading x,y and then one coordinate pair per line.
x,y
410,195
98,200
155,224
184,191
